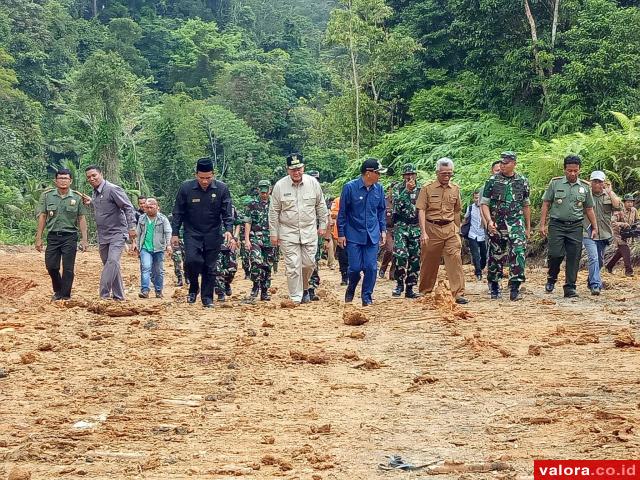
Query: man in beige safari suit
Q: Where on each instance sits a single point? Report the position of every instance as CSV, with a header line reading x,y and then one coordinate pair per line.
x,y
297,215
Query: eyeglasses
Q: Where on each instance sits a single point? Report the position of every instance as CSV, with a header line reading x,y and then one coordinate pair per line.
x,y
446,174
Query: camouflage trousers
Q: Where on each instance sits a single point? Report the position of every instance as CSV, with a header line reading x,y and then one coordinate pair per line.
x,y
178,263
314,281
244,256
225,270
508,246
406,251
261,259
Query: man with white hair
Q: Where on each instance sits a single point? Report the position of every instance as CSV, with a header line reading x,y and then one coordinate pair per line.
x,y
605,202
439,206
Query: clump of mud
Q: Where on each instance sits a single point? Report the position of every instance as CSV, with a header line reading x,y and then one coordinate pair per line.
x,y
14,287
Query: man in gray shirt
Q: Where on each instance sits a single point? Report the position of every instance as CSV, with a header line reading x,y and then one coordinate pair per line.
x,y
114,217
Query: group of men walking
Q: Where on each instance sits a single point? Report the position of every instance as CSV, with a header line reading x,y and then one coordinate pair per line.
x,y
293,218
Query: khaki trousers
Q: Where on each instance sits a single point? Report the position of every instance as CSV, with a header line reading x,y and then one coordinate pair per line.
x,y
444,241
299,261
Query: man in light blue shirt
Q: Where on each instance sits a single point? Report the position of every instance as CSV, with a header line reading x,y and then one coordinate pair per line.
x,y
477,235
362,227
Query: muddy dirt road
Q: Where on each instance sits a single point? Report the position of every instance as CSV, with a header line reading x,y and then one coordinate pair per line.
x,y
169,390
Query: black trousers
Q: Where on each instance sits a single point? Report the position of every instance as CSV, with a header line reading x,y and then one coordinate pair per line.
x,y
200,260
61,246
478,251
343,261
565,241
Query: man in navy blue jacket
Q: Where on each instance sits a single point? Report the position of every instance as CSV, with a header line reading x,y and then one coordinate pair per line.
x,y
362,227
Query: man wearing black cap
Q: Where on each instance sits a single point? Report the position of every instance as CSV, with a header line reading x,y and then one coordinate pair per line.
x,y
362,226
202,207
297,215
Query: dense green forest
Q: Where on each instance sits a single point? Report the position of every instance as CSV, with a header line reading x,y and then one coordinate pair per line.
x,y
144,87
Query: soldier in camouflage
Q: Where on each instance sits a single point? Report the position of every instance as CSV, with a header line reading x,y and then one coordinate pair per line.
x,y
505,203
258,243
178,264
314,281
226,267
406,233
244,253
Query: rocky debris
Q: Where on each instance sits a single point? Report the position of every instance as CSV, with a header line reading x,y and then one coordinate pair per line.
x,y
478,344
268,440
271,460
357,335
27,358
443,301
350,355
369,364
625,338
535,350
14,287
316,358
320,429
424,379
267,324
288,303
586,338
354,317
8,310
18,473
3,373
45,347
273,290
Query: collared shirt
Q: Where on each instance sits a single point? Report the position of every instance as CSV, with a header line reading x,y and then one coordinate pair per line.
x,y
62,212
204,214
603,209
476,231
568,200
362,214
440,202
297,211
113,211
621,217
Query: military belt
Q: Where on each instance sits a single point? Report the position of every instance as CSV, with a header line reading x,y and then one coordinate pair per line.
x,y
566,222
439,222
61,234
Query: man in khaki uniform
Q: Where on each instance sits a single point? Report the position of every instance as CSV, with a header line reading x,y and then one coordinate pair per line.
x,y
297,215
439,206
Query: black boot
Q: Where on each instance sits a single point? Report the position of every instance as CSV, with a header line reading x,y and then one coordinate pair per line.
x,y
409,293
381,272
264,294
227,290
313,296
179,283
515,294
345,280
305,297
255,290
494,288
221,297
399,289
551,284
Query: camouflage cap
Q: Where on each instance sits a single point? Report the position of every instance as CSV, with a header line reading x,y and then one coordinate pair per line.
x,y
409,168
629,197
509,154
264,185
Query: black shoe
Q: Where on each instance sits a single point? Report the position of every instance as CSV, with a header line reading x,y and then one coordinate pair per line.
x,y
494,290
306,298
461,301
246,276
159,295
208,304
221,297
409,293
227,291
55,297
549,286
255,291
264,294
191,298
398,290
313,296
143,295
479,277
609,269
179,283
570,293
381,273
344,281
348,295
595,290
515,294
366,303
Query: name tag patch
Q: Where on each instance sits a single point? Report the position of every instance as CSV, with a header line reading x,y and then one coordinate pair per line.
x,y
195,200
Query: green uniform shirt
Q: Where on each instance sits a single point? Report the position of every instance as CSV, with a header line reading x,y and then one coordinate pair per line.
x,y
568,200
603,209
148,235
62,212
404,209
506,198
257,214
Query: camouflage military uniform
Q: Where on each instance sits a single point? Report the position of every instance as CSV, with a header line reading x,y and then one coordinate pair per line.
x,y
244,254
226,268
506,198
178,264
406,235
314,281
262,253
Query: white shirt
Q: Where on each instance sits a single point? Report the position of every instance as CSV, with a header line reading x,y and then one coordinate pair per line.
x,y
476,231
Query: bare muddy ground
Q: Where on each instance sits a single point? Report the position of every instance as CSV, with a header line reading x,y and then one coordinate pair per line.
x,y
160,389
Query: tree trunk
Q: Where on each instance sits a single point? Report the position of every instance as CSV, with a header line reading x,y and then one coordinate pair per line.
x,y
536,57
554,25
356,81
95,8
